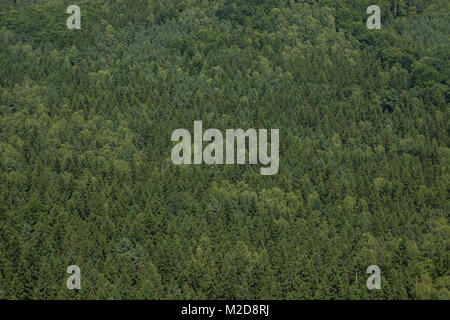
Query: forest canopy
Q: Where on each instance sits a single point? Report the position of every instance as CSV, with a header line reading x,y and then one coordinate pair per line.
x,y
86,176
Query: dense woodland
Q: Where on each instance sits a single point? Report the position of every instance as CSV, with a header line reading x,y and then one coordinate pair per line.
x,y
86,176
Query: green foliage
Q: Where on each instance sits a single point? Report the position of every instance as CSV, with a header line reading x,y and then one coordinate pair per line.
x,y
85,171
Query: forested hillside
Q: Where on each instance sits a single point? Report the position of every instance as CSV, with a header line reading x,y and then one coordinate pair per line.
x,y
86,176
